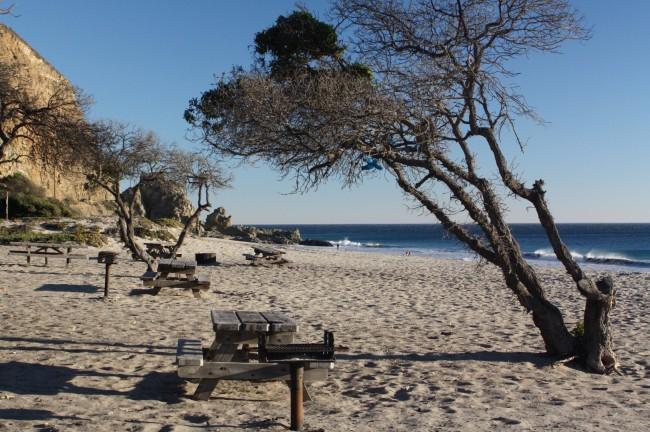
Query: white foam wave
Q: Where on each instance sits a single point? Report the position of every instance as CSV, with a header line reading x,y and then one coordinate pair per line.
x,y
593,256
348,243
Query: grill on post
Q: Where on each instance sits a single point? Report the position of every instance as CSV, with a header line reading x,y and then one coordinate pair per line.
x,y
297,356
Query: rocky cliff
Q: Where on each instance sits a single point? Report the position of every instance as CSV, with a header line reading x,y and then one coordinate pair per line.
x,y
42,78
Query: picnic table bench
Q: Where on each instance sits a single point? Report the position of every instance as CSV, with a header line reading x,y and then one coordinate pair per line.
x,y
231,354
175,273
47,250
266,255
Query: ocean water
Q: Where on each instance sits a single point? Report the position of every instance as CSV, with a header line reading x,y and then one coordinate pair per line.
x,y
596,245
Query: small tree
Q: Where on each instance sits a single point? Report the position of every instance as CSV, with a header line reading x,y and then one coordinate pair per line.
x,y
42,128
441,91
117,153
199,174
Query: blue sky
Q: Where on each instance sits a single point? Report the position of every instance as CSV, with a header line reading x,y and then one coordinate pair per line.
x,y
143,60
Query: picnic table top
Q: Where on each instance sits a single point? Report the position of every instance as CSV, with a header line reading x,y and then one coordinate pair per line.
x,y
248,321
267,251
171,265
158,244
46,245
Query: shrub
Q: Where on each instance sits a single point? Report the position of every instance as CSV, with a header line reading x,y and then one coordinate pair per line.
x,y
78,234
169,223
579,330
158,234
28,200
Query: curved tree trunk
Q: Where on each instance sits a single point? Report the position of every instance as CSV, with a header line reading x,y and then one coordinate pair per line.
x,y
546,316
597,348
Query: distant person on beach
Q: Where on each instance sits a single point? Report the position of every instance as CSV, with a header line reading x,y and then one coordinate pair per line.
x,y
337,246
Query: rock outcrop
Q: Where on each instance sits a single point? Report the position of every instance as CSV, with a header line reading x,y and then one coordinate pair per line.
x,y
164,199
217,220
161,200
43,79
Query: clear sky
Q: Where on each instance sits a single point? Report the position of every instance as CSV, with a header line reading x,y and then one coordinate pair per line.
x,y
142,60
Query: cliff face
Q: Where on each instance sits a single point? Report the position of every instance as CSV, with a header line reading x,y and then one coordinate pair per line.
x,y
41,78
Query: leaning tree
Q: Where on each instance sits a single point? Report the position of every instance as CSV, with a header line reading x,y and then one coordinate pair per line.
x,y
116,153
439,93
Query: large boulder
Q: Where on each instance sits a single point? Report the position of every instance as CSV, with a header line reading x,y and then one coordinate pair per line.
x,y
165,199
161,199
138,207
217,220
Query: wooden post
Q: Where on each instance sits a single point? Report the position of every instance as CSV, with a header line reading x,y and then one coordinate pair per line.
x,y
107,277
297,384
107,258
7,205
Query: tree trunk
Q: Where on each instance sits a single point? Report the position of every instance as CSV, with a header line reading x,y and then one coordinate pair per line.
x,y
548,319
597,348
188,224
546,316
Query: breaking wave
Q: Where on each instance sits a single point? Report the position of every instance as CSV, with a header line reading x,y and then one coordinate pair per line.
x,y
595,257
348,243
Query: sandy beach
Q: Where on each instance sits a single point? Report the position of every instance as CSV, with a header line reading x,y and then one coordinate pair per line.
x,y
432,345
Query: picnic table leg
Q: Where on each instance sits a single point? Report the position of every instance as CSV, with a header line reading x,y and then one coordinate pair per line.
x,y
217,352
205,389
297,385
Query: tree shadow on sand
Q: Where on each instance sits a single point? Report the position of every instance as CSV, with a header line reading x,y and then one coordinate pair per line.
x,y
88,289
538,359
27,414
36,379
67,345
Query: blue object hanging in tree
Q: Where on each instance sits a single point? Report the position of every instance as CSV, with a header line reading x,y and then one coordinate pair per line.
x,y
371,163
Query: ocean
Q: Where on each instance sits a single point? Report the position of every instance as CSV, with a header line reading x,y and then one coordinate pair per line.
x,y
614,246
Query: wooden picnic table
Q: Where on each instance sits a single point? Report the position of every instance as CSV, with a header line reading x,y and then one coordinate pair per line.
x,y
267,252
160,250
176,273
236,335
47,250
230,356
266,255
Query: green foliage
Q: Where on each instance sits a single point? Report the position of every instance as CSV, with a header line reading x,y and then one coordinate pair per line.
x,y
28,200
296,40
579,330
146,228
169,223
21,205
18,183
214,105
78,234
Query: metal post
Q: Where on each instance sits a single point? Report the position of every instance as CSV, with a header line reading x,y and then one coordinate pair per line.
x,y
297,383
107,277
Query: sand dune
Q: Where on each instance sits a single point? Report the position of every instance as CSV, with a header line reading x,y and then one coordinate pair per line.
x,y
433,346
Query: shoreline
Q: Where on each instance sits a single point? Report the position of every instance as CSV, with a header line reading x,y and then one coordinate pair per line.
x,y
469,257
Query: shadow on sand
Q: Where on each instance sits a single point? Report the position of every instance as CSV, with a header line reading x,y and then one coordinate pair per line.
x,y
65,345
36,379
88,289
538,359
